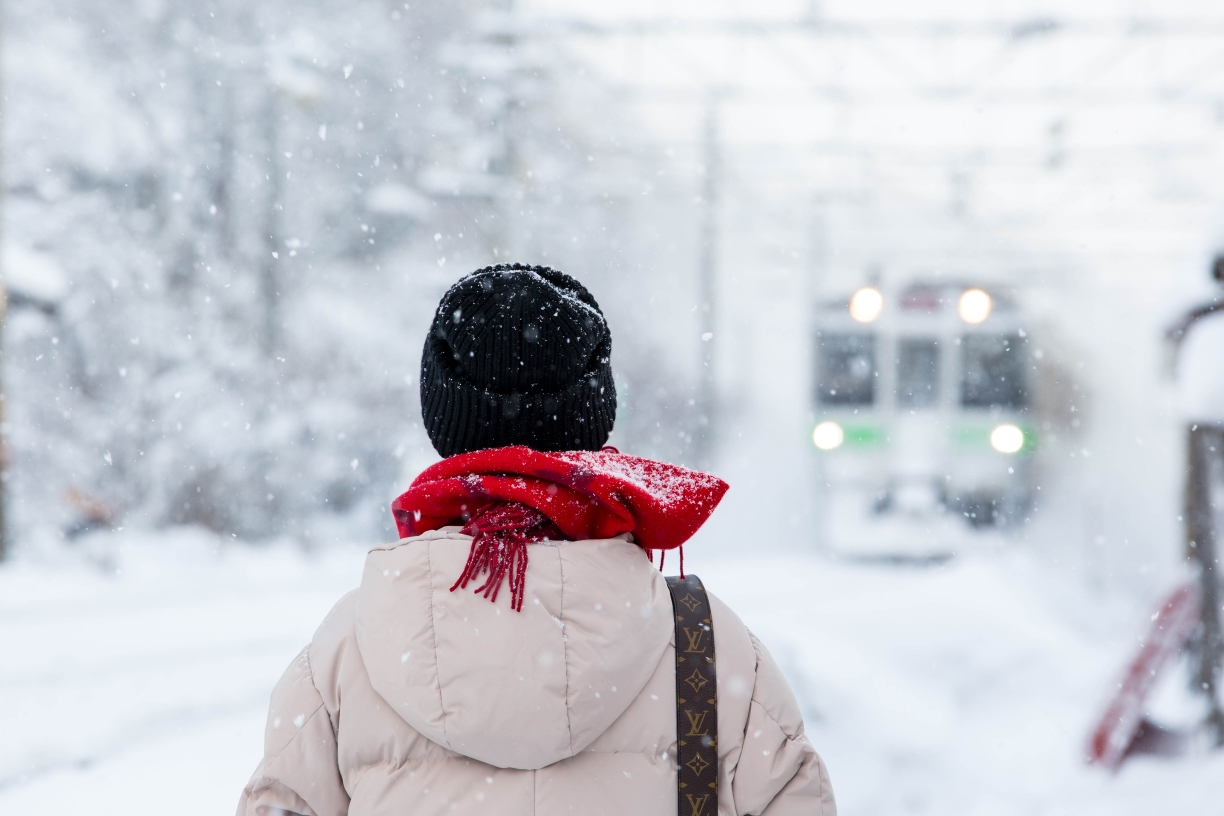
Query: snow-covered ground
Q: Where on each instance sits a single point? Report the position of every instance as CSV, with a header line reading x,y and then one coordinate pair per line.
x,y
134,679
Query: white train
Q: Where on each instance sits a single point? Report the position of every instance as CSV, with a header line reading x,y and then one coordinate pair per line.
x,y
923,428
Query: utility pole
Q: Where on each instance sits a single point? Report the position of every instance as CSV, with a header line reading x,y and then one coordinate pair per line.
x,y
707,283
500,239
269,283
222,191
4,448
817,271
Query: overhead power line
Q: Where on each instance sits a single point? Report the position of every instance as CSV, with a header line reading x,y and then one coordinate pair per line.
x,y
1015,30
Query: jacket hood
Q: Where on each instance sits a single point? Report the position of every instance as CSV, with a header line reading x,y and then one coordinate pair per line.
x,y
512,689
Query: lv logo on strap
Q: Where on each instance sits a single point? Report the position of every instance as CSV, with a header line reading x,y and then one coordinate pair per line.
x,y
696,699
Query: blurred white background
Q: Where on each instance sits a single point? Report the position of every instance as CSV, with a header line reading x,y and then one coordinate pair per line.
x,y
226,226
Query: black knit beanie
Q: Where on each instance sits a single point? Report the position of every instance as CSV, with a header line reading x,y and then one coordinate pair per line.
x,y
517,355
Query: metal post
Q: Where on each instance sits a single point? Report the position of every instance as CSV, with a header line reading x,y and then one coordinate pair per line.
x,y
1206,466
707,272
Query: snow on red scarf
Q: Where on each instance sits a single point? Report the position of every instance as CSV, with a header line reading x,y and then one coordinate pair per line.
x,y
510,497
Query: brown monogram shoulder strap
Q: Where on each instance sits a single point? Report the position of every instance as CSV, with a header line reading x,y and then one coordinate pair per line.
x,y
696,699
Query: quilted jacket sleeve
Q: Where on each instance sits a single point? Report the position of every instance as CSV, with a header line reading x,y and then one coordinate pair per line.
x,y
779,772
298,773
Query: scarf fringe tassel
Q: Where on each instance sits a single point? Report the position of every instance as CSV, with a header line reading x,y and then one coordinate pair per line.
x,y
500,535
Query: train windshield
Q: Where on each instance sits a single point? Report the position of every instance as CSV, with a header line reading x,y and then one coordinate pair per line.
x,y
917,373
847,369
992,371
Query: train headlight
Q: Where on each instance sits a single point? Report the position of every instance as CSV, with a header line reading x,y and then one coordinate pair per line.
x,y
1007,438
866,304
974,306
828,435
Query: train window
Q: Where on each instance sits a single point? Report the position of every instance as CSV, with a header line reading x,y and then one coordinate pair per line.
x,y
992,371
847,369
917,373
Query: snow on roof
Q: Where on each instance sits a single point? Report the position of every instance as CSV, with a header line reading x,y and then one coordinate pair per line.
x,y
33,275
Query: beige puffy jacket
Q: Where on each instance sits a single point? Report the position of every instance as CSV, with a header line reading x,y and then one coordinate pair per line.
x,y
414,700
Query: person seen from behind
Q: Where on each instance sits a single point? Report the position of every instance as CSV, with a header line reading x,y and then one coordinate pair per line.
x,y
515,652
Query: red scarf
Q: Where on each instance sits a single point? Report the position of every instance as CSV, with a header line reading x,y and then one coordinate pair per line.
x,y
510,497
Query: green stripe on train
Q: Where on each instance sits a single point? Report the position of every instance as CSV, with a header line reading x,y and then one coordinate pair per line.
x,y
977,437
864,436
